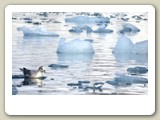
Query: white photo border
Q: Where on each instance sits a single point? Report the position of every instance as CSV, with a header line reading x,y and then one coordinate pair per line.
x,y
79,104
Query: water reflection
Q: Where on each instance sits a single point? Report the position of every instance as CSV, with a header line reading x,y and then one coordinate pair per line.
x,y
69,58
126,57
14,90
38,38
29,81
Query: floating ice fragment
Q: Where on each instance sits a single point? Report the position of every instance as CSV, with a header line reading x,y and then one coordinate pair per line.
x,y
56,66
137,70
86,19
129,28
127,80
36,31
76,29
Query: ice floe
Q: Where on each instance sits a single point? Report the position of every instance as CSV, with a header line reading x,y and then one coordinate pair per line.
x,y
129,28
87,19
124,80
36,31
137,70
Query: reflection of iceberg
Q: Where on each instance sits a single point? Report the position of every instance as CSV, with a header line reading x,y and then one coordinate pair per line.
x,y
38,38
75,46
36,31
85,19
125,57
69,58
127,27
125,45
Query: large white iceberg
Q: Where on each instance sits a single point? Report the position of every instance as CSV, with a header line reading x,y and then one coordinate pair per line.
x,y
36,31
75,46
125,45
86,19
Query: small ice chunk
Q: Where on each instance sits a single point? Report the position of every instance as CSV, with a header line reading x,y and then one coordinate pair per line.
x,y
76,29
127,80
102,29
56,66
137,70
127,27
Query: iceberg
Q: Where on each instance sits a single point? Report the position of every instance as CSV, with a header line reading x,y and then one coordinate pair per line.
x,y
141,47
125,45
129,28
85,19
36,31
75,46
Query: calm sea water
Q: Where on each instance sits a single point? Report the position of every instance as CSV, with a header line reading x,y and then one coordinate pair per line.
x,y
32,52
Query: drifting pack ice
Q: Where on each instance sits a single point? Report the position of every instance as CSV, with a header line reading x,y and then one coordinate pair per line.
x,y
36,31
75,46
